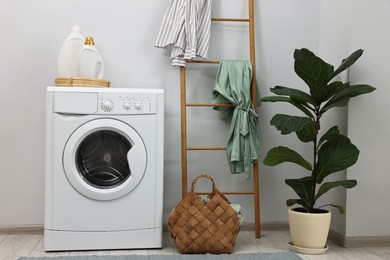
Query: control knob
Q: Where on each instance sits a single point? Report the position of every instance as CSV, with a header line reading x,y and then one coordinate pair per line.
x,y
107,105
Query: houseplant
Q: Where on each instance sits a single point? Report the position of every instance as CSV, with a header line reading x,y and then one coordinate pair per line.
x,y
332,152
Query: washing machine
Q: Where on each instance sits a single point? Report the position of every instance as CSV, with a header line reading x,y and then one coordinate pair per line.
x,y
104,168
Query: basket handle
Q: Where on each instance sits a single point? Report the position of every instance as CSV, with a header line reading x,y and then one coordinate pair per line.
x,y
192,192
203,176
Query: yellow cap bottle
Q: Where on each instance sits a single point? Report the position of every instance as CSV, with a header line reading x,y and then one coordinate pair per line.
x,y
90,63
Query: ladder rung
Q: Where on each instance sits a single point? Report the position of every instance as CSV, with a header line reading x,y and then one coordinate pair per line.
x,y
205,148
208,105
229,193
230,19
204,61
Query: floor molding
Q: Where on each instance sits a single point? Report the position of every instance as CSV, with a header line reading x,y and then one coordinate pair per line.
x,y
251,226
360,241
38,229
339,239
22,230
280,225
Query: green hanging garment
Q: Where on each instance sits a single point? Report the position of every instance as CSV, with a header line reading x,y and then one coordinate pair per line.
x,y
233,86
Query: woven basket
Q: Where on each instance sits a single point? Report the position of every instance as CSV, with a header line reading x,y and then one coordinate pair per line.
x,y
82,82
199,227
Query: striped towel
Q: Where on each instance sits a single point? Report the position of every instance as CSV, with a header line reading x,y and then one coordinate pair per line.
x,y
186,29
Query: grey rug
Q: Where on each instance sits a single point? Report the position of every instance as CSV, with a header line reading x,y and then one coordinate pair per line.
x,y
258,256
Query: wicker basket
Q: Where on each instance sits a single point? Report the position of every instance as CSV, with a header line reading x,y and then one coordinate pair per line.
x,y
82,82
199,227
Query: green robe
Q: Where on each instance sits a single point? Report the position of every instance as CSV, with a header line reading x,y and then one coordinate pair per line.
x,y
233,85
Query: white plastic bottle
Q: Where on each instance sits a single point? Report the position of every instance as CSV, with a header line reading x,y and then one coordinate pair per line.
x,y
68,57
90,64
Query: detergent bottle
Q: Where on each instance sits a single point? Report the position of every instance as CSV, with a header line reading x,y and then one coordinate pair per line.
x,y
90,62
68,56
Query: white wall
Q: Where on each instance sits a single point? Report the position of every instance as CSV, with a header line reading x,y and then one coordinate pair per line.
x,y
280,31
32,33
368,204
125,32
334,45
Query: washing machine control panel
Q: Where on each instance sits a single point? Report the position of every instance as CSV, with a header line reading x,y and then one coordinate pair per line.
x,y
125,103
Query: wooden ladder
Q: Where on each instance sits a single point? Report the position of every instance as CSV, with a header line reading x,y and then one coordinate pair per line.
x,y
184,105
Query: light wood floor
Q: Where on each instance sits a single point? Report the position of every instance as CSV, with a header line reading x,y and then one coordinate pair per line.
x,y
14,246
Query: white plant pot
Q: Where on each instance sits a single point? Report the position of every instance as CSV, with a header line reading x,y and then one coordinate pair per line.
x,y
309,230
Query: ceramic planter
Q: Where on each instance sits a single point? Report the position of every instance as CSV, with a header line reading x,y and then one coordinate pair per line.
x,y
309,230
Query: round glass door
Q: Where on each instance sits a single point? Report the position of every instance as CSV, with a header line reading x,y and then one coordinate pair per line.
x,y
104,159
101,159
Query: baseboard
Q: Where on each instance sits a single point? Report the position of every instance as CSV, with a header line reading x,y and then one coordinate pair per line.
x,y
336,237
38,229
251,226
341,240
22,230
280,225
360,241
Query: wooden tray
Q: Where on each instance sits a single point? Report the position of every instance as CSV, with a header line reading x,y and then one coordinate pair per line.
x,y
82,82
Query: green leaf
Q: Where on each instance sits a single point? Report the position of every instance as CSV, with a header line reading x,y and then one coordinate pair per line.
x,y
287,124
342,97
340,208
335,155
288,100
291,202
281,154
307,133
346,63
315,73
329,90
300,54
348,184
275,99
285,91
329,135
303,188
303,126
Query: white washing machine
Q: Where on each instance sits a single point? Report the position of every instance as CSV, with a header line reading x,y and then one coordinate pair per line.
x,y
104,168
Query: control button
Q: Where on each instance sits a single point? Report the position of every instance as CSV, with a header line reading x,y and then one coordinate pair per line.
x,y
138,106
127,106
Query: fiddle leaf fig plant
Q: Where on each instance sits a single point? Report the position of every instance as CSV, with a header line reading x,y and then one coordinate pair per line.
x,y
333,151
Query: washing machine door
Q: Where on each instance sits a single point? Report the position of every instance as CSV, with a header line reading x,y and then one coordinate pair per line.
x,y
104,159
